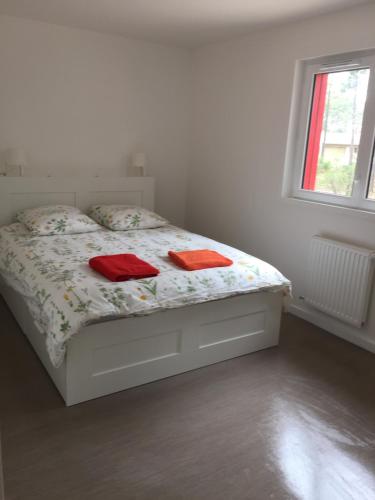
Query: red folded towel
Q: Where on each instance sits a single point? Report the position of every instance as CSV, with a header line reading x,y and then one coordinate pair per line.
x,y
122,267
192,260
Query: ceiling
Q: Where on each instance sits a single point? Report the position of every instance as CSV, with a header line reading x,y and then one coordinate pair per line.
x,y
186,23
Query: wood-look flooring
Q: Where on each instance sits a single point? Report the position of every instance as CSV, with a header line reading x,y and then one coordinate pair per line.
x,y
293,422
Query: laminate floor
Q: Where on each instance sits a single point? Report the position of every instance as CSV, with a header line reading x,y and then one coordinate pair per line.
x,y
292,422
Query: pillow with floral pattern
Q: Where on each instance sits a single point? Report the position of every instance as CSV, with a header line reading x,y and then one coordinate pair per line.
x,y
56,219
126,217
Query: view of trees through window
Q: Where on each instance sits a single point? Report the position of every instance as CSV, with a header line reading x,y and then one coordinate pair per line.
x,y
335,129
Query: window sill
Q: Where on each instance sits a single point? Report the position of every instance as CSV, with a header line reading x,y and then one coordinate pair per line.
x,y
332,209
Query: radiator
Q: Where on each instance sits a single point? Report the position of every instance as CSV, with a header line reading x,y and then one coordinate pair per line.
x,y
339,279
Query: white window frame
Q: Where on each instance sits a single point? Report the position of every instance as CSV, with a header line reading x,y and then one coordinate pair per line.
x,y
299,130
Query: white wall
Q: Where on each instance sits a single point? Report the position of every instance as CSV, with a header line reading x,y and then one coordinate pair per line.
x,y
80,102
242,95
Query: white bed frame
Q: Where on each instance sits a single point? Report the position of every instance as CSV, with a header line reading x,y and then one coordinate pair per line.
x,y
114,355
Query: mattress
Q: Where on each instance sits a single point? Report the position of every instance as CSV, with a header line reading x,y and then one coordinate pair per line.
x,y
64,294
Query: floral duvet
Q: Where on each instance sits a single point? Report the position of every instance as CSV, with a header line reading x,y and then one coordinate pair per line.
x,y
63,293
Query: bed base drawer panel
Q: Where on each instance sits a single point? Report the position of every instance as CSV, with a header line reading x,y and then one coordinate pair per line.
x,y
107,359
232,329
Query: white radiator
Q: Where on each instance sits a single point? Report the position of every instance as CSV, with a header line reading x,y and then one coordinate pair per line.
x,y
339,279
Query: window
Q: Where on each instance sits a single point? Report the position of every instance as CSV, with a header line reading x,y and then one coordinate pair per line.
x,y
333,159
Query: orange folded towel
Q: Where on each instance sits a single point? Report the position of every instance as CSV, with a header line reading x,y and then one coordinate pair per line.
x,y
192,260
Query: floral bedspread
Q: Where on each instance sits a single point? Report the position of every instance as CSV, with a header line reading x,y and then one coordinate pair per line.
x,y
63,293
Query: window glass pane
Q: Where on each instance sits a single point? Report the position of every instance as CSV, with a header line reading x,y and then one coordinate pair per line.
x,y
334,131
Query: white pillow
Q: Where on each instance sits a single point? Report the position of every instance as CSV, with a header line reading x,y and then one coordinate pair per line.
x,y
56,219
126,217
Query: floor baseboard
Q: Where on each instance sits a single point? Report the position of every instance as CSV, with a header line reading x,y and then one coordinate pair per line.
x,y
333,326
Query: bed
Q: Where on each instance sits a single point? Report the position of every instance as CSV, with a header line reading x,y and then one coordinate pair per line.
x,y
95,337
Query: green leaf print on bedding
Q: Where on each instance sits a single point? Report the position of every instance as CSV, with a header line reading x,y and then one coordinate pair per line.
x,y
42,296
8,259
81,306
150,286
250,266
190,287
64,326
135,220
114,296
229,277
94,246
207,282
60,225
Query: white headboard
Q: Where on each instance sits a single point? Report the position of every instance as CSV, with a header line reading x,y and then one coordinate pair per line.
x,y
17,193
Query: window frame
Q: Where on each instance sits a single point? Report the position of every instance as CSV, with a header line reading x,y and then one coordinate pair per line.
x,y
366,148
